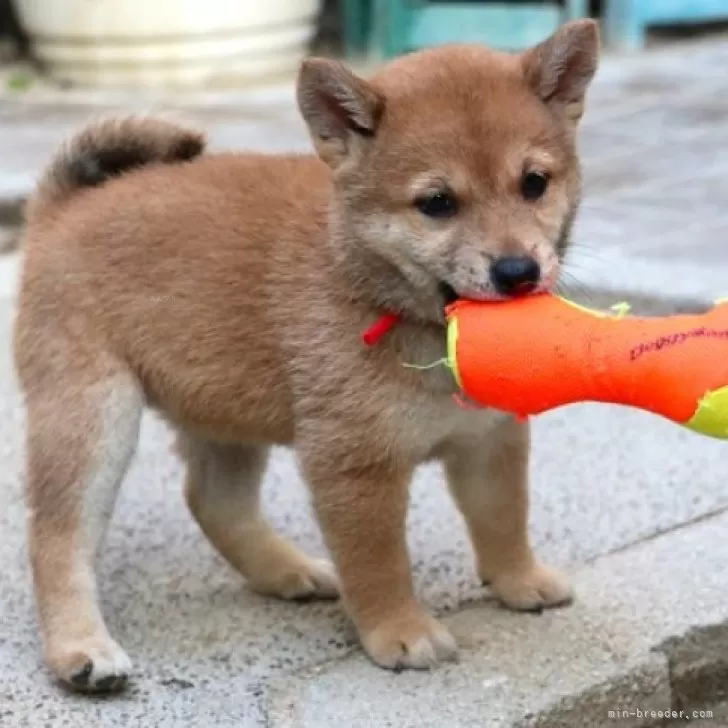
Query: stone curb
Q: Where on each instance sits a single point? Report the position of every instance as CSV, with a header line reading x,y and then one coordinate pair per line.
x,y
648,636
687,676
698,665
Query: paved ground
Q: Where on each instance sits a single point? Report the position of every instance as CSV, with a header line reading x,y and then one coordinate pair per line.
x,y
634,507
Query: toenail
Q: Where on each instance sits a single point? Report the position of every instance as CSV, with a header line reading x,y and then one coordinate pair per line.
x,y
112,682
81,677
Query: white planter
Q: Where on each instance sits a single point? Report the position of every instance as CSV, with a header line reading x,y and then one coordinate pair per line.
x,y
156,43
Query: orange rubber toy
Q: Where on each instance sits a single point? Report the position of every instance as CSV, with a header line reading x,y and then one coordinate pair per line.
x,y
536,353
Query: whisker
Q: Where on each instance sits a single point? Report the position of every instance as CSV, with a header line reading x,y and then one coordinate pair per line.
x,y
586,251
570,286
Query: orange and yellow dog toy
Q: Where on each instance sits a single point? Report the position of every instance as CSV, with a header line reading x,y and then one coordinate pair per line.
x,y
536,353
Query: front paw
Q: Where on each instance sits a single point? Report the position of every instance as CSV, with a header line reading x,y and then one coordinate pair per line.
x,y
94,665
532,588
411,639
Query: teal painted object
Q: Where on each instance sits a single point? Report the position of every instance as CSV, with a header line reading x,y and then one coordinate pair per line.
x,y
626,21
356,15
400,26
494,25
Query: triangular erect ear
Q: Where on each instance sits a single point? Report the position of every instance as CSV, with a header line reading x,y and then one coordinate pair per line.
x,y
341,110
561,68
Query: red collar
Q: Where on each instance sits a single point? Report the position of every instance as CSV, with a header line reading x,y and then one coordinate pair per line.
x,y
379,328
374,334
384,323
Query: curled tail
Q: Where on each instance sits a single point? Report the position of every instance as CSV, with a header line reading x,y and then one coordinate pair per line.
x,y
112,147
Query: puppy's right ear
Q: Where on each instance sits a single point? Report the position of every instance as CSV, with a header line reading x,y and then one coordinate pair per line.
x,y
342,111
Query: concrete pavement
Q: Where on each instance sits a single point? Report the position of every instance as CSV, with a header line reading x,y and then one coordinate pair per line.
x,y
635,508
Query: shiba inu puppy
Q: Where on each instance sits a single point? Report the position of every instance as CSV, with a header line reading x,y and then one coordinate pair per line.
x,y
230,292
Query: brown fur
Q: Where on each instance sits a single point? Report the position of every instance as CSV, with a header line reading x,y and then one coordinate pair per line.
x,y
230,292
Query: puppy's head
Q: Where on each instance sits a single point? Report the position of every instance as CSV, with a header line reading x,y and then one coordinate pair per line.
x,y
457,165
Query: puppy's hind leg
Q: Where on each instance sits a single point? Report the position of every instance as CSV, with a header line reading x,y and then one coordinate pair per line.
x,y
82,432
223,493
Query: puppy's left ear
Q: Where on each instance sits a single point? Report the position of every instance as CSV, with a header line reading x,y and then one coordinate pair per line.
x,y
561,68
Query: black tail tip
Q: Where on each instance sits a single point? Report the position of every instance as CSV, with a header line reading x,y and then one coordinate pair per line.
x,y
94,166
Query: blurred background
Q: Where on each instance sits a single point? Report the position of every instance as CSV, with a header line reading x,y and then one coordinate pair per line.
x,y
107,43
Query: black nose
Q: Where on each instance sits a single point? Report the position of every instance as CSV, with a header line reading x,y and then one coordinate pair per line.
x,y
515,275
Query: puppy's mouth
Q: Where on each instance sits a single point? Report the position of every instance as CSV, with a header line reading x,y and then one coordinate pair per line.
x,y
448,294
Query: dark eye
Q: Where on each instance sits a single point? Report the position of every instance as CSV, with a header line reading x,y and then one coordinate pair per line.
x,y
533,185
441,204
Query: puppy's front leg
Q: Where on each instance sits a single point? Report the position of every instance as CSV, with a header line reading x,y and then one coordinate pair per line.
x,y
362,511
488,478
